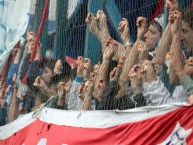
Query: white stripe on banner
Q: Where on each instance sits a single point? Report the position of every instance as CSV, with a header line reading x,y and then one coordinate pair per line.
x,y
14,18
105,119
72,4
52,10
87,119
15,126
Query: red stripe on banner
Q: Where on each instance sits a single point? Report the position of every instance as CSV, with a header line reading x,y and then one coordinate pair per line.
x,y
174,128
159,9
40,29
17,138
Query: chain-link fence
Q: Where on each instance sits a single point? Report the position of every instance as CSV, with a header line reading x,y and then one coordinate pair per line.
x,y
60,35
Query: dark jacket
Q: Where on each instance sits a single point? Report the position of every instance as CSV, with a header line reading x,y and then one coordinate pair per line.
x,y
110,102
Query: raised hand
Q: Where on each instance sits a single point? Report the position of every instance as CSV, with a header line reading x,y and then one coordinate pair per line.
x,y
39,83
131,59
110,49
96,69
80,66
119,50
61,89
87,68
87,96
121,62
136,79
115,73
148,72
30,36
30,46
189,66
92,22
143,52
89,87
86,89
61,94
79,60
98,26
99,89
68,86
168,56
142,48
142,27
175,19
124,30
102,23
58,67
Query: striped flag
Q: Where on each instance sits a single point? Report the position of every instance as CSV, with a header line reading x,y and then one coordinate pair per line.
x,y
165,125
14,17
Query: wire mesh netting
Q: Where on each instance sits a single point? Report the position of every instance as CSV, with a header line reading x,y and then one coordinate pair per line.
x,y
45,69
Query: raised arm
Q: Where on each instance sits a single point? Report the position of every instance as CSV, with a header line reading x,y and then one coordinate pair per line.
x,y
61,95
142,25
132,59
123,50
124,31
87,96
103,26
133,56
143,53
104,68
178,63
98,25
165,44
175,50
14,107
18,56
42,86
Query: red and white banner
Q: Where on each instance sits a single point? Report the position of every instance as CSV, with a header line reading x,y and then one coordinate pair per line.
x,y
165,125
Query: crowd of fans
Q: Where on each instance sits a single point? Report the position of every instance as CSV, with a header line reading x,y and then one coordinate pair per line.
x,y
152,71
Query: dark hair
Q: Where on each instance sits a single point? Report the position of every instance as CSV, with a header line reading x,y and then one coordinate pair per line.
x,y
187,16
157,25
49,63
